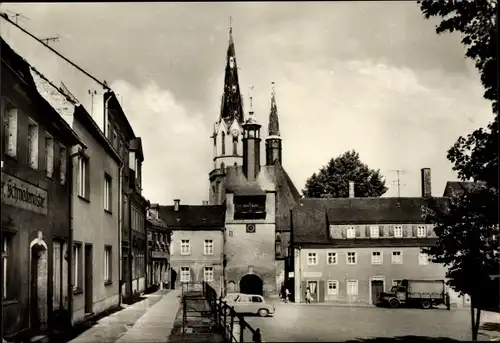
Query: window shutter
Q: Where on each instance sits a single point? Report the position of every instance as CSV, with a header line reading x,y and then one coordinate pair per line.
x,y
302,296
381,229
391,230
358,232
414,230
87,179
343,232
429,230
405,231
367,230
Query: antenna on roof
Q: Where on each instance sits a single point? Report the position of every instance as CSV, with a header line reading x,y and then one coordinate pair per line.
x,y
50,39
92,92
17,16
397,181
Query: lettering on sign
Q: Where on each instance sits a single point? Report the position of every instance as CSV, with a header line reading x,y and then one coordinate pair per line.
x,y
313,274
159,254
21,194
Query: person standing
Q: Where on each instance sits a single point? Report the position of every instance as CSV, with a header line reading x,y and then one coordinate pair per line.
x,y
287,295
308,295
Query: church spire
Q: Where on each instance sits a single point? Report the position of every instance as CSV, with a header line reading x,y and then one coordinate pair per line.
x,y
273,140
274,126
232,105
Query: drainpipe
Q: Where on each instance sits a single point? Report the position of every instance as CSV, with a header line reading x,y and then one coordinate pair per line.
x,y
69,249
146,257
105,123
120,228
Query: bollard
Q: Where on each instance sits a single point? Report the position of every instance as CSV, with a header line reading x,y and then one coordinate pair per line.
x,y
257,337
242,324
232,326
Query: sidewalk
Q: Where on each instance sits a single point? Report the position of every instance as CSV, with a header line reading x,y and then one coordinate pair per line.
x,y
157,323
112,328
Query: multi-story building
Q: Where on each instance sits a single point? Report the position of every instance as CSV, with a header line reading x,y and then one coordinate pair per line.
x,y
158,250
36,196
351,249
94,207
197,243
120,134
257,197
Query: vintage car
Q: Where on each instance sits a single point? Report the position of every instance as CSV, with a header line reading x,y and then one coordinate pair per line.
x,y
248,303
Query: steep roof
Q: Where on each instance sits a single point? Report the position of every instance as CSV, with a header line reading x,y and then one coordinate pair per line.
x,y
200,217
156,222
311,217
51,118
456,188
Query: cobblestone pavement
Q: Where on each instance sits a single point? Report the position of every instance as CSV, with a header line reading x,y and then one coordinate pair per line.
x,y
295,323
147,320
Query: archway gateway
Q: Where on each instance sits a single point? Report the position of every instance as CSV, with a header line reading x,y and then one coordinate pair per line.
x,y
251,284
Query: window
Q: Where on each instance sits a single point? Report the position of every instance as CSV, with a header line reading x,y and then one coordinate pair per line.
x,y
185,274
331,257
398,231
312,259
208,274
115,139
10,131
107,264
62,166
5,262
49,155
423,259
351,232
396,282
397,257
223,143
235,145
377,257
83,177
256,299
77,266
131,160
351,257
352,287
374,231
332,287
107,192
421,231
32,144
139,174
185,247
208,248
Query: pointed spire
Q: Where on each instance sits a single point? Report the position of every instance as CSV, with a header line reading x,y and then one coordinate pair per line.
x,y
232,105
274,127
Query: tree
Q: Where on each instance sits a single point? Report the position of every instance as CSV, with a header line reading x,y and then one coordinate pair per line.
x,y
332,181
467,230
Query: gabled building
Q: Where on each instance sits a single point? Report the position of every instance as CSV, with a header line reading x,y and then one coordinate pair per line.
x,y
257,197
133,254
197,243
348,250
158,258
36,148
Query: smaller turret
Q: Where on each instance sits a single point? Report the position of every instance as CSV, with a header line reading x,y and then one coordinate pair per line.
x,y
273,140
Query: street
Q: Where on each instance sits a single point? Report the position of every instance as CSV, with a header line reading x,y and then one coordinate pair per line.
x,y
322,323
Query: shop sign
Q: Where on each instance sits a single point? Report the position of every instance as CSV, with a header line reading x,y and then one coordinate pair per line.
x,y
24,195
159,254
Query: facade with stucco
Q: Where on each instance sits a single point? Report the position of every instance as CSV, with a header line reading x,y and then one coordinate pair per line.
x,y
36,145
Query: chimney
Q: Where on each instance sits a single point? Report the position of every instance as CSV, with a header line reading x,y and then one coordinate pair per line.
x,y
177,203
426,182
205,203
351,189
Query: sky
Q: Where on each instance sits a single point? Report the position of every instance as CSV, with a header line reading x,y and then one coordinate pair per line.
x,y
368,76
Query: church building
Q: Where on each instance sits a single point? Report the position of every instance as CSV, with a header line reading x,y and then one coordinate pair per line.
x,y
257,198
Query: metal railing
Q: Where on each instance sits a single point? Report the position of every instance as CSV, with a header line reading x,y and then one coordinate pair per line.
x,y
232,325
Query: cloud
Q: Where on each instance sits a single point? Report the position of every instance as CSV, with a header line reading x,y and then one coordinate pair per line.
x,y
176,150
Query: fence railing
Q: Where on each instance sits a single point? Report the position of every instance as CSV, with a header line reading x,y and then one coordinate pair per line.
x,y
233,326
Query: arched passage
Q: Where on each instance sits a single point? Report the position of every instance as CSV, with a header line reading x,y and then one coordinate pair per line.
x,y
251,284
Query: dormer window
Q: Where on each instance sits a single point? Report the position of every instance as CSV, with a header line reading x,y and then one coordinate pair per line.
x,y
351,232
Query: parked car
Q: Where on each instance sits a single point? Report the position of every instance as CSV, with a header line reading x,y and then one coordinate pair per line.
x,y
248,303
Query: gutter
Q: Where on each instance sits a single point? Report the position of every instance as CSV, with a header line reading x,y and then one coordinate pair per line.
x,y
105,126
120,229
69,250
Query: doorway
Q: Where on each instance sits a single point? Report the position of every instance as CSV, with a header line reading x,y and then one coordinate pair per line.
x,y
173,277
251,284
88,279
377,287
38,287
313,288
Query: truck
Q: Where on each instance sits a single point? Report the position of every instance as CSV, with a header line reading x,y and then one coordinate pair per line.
x,y
416,293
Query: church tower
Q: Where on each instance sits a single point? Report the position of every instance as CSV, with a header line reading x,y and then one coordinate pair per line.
x,y
273,140
228,130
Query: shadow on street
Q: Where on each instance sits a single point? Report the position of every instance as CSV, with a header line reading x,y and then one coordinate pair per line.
x,y
404,339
